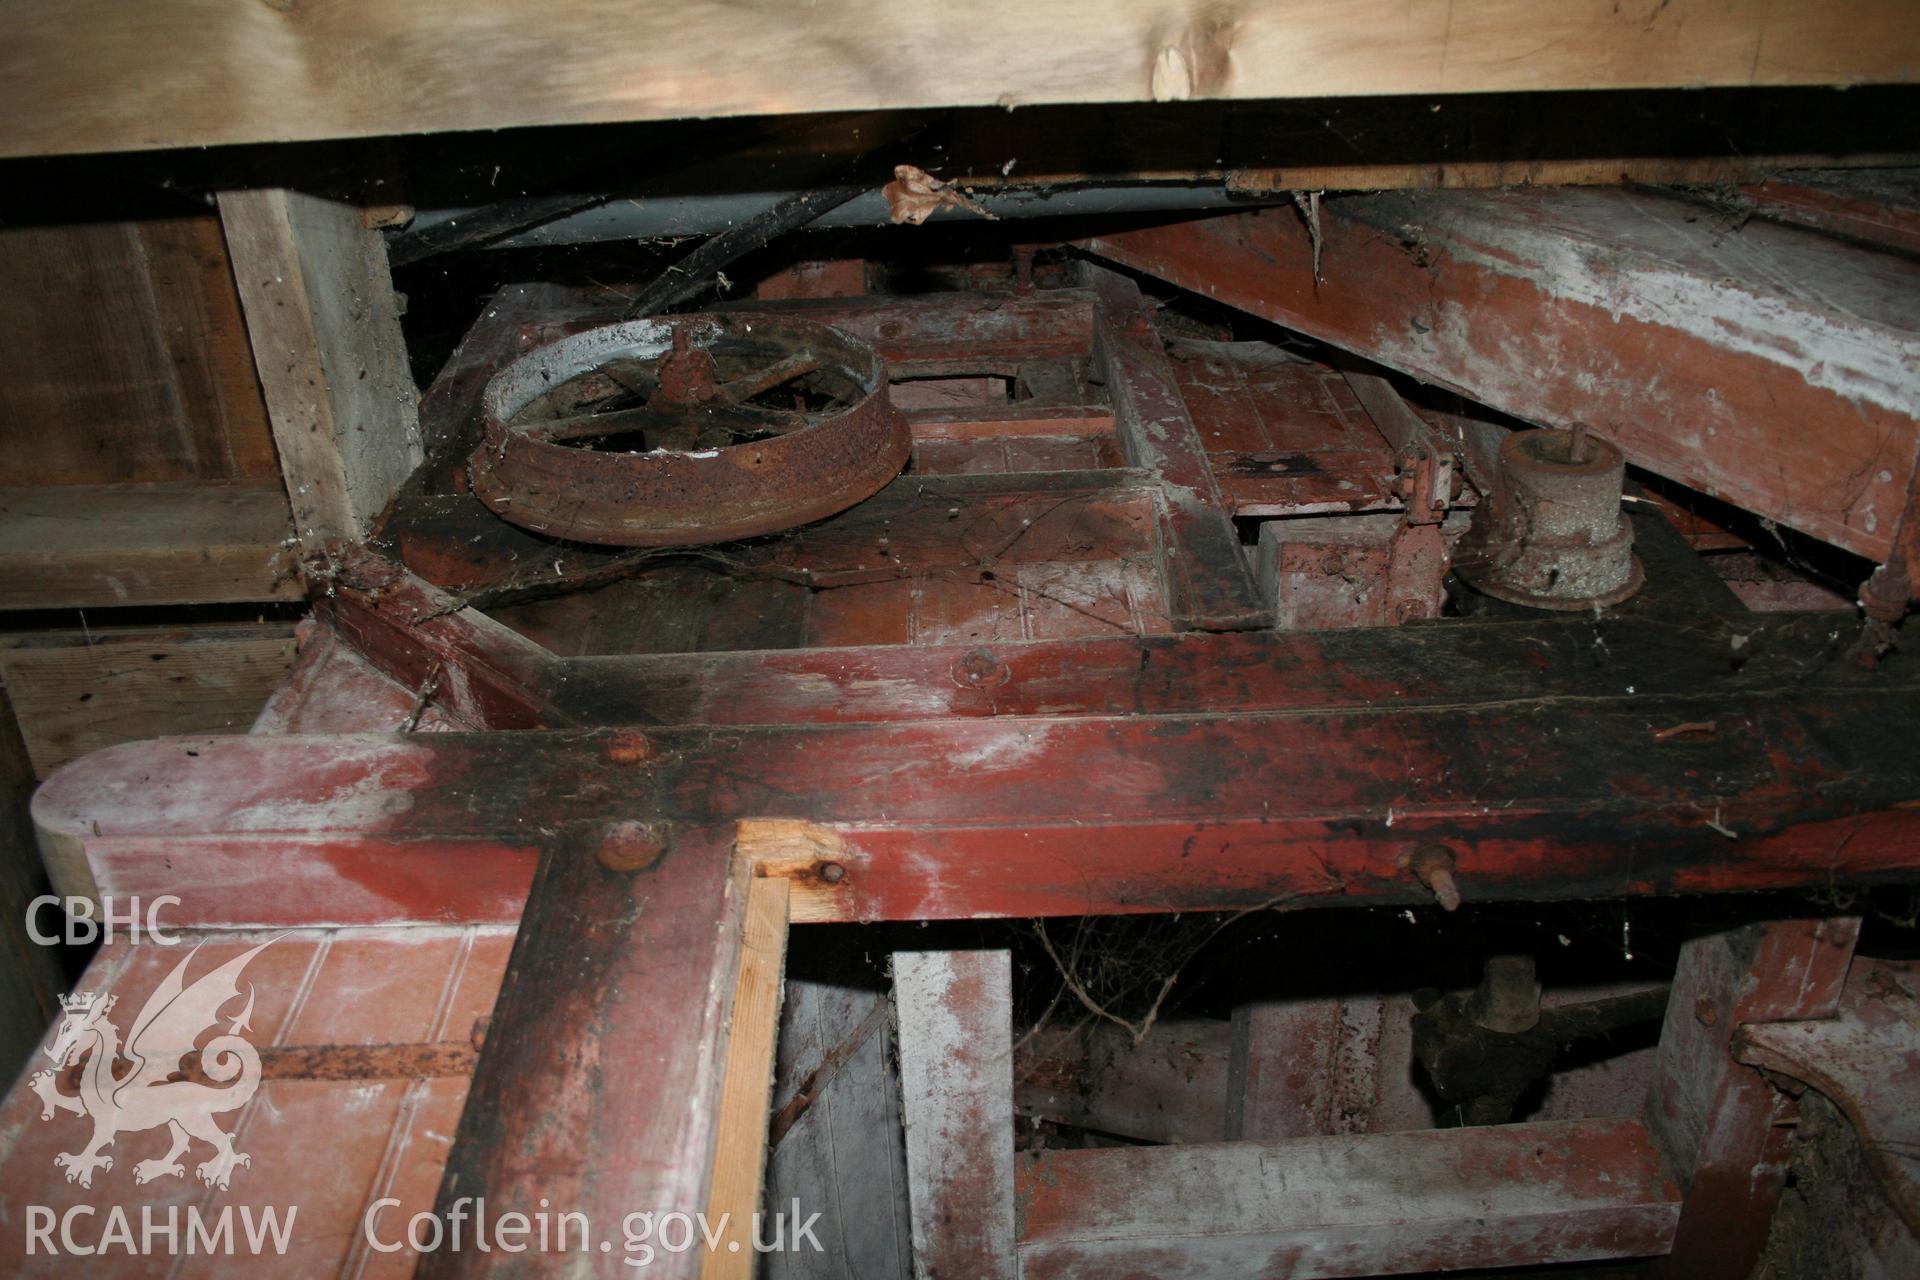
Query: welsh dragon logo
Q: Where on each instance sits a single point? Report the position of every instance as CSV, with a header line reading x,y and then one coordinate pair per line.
x,y
150,1089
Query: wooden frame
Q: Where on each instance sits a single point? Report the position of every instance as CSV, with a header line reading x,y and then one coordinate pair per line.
x,y
1222,759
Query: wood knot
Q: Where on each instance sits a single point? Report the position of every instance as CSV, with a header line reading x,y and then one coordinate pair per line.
x,y
1194,61
1172,76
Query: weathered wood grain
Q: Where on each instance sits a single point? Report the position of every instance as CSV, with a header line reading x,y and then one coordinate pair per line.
x,y
79,691
325,325
123,358
838,1145
1381,1204
1167,1088
955,1011
100,546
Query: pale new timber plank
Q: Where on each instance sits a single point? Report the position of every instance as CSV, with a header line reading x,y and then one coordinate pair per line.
x,y
740,1145
95,75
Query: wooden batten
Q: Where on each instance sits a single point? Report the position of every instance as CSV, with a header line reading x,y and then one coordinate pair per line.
x,y
740,1144
325,325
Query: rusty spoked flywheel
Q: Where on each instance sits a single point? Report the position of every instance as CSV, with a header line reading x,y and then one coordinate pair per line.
x,y
661,433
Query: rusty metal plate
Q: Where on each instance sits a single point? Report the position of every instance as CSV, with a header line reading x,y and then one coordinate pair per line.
x,y
659,433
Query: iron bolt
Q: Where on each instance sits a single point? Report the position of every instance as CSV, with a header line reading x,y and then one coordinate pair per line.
x,y
1433,864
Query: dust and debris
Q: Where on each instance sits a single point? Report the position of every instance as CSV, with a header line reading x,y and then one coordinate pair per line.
x,y
1308,203
915,195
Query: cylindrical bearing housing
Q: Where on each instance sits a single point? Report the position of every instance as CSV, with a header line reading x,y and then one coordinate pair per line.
x,y
1552,534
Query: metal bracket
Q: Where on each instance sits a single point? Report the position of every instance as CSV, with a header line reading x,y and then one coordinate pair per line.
x,y
1426,460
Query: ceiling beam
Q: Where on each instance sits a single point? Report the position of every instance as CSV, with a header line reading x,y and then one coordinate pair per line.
x,y
94,75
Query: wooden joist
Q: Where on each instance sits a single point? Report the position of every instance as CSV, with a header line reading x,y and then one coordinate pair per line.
x,y
100,546
1207,578
1058,813
79,691
95,76
615,1009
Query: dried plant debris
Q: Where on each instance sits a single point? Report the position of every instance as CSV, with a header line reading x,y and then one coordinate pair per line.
x,y
1308,202
915,195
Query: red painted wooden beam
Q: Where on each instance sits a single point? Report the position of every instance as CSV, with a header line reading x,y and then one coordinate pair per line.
x,y
479,673
1209,579
599,1087
1365,1205
1723,1126
1722,788
408,629
1770,366
1870,206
